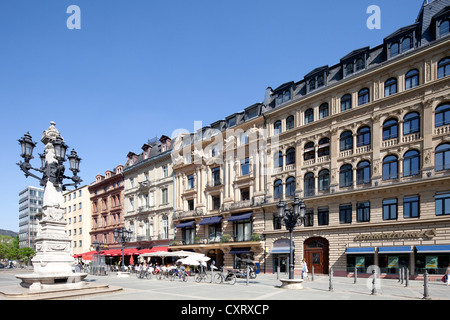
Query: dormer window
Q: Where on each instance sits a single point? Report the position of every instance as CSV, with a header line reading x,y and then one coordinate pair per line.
x,y
231,122
359,64
406,44
320,82
394,49
349,68
312,85
444,28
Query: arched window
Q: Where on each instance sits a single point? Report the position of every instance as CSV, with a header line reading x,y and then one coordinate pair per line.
x,y
412,79
363,96
442,157
323,110
346,141
390,87
290,187
309,152
320,82
309,116
442,115
363,172
394,49
406,44
324,180
444,28
444,68
287,96
324,147
290,156
411,123
363,138
346,176
312,85
278,160
390,167
411,163
349,68
390,129
359,64
277,127
309,184
290,123
278,189
280,99
346,102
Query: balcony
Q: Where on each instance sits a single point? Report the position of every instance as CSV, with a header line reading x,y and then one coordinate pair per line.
x,y
188,214
442,130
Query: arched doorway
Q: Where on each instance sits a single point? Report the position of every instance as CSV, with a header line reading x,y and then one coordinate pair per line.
x,y
316,253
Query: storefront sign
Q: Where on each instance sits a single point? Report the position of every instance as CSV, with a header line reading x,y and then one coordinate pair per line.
x,y
360,262
393,262
431,262
428,234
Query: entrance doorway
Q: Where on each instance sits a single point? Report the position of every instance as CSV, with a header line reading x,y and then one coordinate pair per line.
x,y
316,253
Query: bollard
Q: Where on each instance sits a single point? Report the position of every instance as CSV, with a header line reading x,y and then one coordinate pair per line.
x,y
330,287
355,275
312,273
374,289
248,274
402,275
426,294
278,272
407,278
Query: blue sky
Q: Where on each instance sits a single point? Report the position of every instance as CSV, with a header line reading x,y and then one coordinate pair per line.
x,y
143,68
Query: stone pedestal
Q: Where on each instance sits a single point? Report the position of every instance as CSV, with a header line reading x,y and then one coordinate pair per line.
x,y
292,284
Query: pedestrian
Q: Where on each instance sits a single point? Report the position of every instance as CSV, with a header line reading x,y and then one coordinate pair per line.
x,y
305,270
447,275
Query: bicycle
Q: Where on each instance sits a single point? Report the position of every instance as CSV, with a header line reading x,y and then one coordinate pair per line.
x,y
223,277
143,273
181,274
203,275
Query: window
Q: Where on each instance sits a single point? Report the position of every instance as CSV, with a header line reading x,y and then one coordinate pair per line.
x,y
442,203
390,129
191,181
215,202
309,184
444,28
394,49
320,81
188,235
290,123
363,137
242,230
363,96
363,172
323,216
363,211
346,141
245,167
323,110
412,79
165,196
324,147
287,96
215,175
312,85
390,167
290,156
390,87
231,122
411,123
444,68
309,152
324,180
245,194
411,207
406,44
346,102
442,157
390,209
190,204
346,176
359,64
278,189
349,68
277,127
345,213
309,218
278,160
280,99
290,187
411,163
442,115
309,116
244,138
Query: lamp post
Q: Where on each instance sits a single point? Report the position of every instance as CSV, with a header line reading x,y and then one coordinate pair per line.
x,y
97,246
291,217
122,236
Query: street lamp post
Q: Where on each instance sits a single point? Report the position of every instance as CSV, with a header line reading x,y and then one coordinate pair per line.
x,y
122,236
291,218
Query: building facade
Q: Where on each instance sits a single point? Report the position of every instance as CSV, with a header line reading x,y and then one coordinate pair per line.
x,y
106,200
148,195
77,215
30,205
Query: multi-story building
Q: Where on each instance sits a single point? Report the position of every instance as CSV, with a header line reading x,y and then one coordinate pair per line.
x,y
364,142
77,215
30,204
148,194
106,197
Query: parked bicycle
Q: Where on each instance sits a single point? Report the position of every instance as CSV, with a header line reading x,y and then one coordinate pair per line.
x,y
181,274
225,277
144,274
203,275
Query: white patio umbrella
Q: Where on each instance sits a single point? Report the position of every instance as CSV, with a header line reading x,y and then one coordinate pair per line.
x,y
189,261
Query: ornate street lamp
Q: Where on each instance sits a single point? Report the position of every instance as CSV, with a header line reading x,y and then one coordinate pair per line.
x,y
122,236
291,218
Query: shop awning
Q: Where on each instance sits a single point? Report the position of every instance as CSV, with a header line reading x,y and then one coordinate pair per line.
x,y
154,249
281,250
242,216
433,249
240,250
386,250
366,250
186,224
210,220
